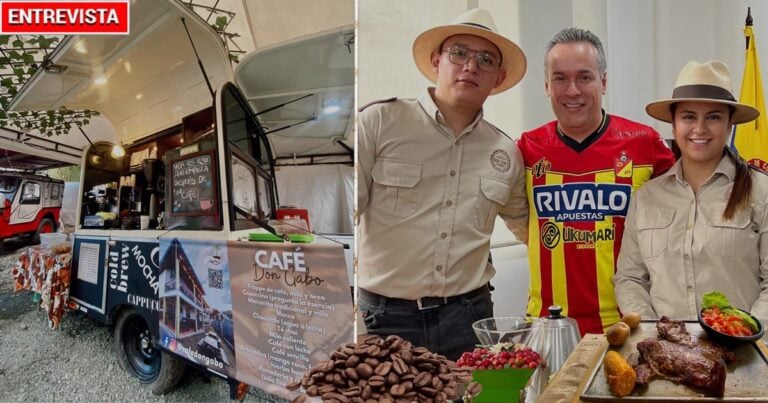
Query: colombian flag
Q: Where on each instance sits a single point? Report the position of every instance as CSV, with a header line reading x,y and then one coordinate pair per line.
x,y
751,139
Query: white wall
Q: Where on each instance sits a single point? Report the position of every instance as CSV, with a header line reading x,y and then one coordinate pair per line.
x,y
647,43
386,30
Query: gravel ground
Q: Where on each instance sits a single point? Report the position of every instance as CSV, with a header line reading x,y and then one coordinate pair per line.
x,y
77,362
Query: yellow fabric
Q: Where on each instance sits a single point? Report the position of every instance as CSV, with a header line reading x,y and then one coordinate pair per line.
x,y
751,138
604,258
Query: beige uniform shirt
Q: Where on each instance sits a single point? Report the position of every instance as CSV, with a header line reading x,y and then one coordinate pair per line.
x,y
427,200
677,247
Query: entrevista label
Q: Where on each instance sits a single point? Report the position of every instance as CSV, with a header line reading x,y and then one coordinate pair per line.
x,y
82,17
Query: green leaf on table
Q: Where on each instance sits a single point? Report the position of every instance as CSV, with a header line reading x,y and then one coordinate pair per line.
x,y
715,299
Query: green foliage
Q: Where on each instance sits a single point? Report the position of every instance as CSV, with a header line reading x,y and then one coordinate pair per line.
x,y
20,57
220,24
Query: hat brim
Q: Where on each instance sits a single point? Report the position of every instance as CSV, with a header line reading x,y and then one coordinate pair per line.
x,y
660,109
513,59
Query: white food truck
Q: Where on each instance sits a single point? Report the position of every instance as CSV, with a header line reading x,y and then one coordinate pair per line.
x,y
168,241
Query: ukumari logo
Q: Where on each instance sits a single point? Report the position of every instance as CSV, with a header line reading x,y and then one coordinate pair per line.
x,y
551,236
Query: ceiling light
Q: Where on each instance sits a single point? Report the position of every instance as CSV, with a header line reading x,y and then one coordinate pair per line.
x,y
117,151
100,81
80,47
331,109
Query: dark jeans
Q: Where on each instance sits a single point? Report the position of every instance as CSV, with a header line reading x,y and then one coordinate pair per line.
x,y
445,330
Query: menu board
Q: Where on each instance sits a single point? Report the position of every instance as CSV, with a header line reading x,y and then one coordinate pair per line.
x,y
263,313
193,184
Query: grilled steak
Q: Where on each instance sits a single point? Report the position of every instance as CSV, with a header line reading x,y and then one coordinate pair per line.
x,y
680,357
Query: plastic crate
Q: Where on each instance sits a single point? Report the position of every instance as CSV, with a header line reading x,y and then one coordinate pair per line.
x,y
50,240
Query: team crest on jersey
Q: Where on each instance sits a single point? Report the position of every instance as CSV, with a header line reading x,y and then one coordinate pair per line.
x,y
500,161
623,166
541,167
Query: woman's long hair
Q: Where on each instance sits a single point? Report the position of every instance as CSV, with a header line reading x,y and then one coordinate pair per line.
x,y
741,192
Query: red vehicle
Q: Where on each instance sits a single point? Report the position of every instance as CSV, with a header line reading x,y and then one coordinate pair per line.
x,y
30,205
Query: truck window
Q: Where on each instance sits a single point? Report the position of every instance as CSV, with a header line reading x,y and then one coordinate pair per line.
x,y
8,186
244,186
250,164
30,194
55,191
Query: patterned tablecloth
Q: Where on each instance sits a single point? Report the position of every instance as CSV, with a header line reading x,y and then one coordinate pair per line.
x,y
47,273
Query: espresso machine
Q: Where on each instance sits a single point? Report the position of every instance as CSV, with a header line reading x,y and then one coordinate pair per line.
x,y
153,173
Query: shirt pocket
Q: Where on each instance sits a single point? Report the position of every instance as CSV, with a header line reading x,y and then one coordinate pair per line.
x,y
493,194
397,180
653,227
732,237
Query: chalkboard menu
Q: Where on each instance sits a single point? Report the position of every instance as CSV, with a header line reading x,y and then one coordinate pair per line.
x,y
193,184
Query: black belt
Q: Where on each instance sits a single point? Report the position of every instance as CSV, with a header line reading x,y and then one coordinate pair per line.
x,y
426,302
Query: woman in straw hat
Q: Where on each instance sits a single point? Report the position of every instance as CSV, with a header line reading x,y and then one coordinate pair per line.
x,y
701,226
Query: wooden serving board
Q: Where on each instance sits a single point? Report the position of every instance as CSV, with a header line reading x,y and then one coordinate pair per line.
x,y
746,381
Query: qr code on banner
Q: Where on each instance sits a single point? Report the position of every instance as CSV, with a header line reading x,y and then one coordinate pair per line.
x,y
215,279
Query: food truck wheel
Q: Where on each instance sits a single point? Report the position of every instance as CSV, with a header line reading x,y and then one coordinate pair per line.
x,y
138,354
46,226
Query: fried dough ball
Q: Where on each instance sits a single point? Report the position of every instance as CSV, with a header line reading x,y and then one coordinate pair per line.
x,y
620,375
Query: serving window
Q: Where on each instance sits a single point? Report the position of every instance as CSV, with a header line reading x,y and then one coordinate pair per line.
x,y
250,167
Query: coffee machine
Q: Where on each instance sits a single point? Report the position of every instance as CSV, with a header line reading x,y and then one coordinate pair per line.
x,y
153,173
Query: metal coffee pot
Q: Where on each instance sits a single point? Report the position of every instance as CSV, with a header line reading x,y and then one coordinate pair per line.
x,y
554,337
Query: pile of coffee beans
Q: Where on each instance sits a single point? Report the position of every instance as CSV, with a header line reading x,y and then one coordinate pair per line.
x,y
382,370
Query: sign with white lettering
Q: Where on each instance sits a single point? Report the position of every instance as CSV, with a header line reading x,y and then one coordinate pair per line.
x,y
193,185
581,201
292,306
88,256
57,17
262,313
133,275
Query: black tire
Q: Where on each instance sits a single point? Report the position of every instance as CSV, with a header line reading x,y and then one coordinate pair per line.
x,y
44,223
139,356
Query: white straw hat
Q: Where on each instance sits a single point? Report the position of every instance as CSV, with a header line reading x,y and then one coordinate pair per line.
x,y
703,82
477,22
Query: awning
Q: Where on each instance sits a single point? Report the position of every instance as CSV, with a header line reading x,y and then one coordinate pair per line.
x,y
313,78
19,150
142,82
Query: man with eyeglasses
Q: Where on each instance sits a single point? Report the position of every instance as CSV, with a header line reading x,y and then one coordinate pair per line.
x,y
432,177
582,170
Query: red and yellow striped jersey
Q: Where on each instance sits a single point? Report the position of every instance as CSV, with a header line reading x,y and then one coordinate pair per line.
x,y
578,202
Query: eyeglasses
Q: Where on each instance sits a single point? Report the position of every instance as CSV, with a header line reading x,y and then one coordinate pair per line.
x,y
486,61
